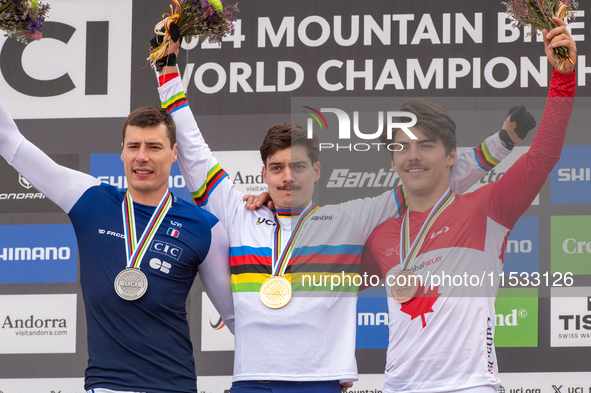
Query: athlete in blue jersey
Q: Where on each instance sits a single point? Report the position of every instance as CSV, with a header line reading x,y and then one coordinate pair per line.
x,y
140,250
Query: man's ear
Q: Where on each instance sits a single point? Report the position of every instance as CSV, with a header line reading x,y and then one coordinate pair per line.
x,y
175,151
452,157
393,165
265,174
316,168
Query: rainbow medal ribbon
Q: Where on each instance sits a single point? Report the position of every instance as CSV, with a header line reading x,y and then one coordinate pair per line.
x,y
276,290
406,283
131,284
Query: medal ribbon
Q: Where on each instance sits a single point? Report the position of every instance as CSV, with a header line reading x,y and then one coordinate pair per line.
x,y
408,252
136,249
281,260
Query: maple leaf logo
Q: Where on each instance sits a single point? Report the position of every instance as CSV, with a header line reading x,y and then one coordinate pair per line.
x,y
421,304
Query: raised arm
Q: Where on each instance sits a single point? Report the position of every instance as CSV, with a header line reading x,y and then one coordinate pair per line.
x,y
205,178
63,186
512,195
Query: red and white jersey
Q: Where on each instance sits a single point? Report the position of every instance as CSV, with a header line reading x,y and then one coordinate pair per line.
x,y
442,339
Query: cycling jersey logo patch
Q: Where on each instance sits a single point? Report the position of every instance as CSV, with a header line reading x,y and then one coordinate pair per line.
x,y
173,232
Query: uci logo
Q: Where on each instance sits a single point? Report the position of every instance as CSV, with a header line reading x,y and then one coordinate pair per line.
x,y
262,220
86,81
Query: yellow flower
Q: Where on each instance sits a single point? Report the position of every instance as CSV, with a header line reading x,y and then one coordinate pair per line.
x,y
216,4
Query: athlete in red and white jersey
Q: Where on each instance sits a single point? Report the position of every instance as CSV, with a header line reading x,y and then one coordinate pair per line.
x,y
442,339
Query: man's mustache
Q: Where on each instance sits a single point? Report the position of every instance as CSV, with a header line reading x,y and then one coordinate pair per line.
x,y
287,186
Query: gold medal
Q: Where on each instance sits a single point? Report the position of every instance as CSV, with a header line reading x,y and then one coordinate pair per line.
x,y
405,286
275,292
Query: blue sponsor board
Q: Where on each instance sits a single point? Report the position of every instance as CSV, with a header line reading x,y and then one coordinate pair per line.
x,y
522,252
108,168
372,319
571,177
38,254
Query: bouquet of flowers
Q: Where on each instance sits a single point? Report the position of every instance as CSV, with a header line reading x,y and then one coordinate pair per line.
x,y
207,19
22,19
538,15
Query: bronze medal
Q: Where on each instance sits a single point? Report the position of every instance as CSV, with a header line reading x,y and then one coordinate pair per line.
x,y
405,286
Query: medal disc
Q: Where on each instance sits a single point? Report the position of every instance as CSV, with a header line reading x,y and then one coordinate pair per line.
x,y
405,286
131,284
275,292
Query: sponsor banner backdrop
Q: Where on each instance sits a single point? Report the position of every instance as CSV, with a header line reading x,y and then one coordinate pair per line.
x,y
571,244
92,76
42,385
215,335
17,195
570,313
38,254
568,382
571,177
38,324
516,318
109,169
372,319
522,252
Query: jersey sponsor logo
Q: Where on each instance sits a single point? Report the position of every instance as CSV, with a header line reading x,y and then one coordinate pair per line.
x,y
570,248
111,233
167,249
489,346
516,317
157,264
435,234
108,169
86,83
571,176
38,324
38,254
266,221
570,313
321,218
18,195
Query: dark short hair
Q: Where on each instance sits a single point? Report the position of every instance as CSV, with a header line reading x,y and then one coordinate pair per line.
x,y
284,135
432,120
151,116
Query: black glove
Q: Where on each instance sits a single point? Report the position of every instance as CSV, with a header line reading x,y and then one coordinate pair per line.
x,y
518,123
157,39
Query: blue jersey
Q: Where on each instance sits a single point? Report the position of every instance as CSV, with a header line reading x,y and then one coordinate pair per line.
x,y
132,345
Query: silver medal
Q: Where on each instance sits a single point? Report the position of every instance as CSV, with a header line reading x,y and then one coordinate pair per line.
x,y
131,284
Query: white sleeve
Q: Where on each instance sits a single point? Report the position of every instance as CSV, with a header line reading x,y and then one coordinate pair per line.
x,y
205,178
472,165
63,186
214,272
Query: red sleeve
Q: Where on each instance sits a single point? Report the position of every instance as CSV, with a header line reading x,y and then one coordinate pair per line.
x,y
507,199
370,263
